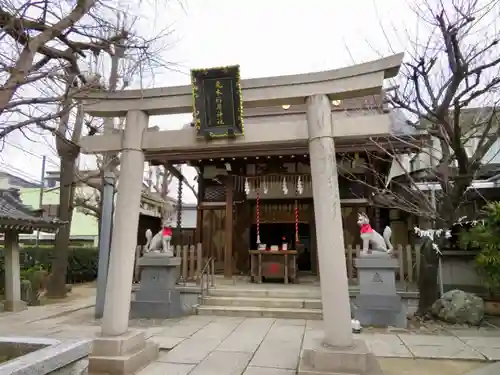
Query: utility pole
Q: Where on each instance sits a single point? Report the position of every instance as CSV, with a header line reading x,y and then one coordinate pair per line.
x,y
108,190
42,187
107,200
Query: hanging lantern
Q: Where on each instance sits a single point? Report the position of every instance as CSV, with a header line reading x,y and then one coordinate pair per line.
x,y
285,187
266,188
300,186
247,186
257,214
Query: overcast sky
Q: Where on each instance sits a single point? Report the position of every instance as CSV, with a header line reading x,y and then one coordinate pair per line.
x,y
265,37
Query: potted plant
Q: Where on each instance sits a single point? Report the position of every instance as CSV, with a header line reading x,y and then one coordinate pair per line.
x,y
485,236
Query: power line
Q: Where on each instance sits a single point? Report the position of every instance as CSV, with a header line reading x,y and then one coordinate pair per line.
x,y
16,172
19,173
31,153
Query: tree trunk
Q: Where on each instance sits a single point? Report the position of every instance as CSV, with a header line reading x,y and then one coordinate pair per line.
x,y
57,283
427,284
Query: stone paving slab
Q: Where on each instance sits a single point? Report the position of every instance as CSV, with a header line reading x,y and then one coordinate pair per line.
x,y
385,345
247,336
252,370
183,330
491,369
487,346
446,352
425,340
160,368
480,342
217,329
440,347
400,366
280,348
167,343
36,313
190,351
491,354
219,362
474,332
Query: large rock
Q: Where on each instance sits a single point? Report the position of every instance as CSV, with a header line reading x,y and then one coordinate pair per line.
x,y
459,307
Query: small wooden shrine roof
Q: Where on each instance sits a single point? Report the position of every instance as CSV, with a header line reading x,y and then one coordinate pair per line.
x,y
16,216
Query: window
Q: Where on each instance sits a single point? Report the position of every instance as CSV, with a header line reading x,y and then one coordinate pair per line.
x,y
50,182
50,210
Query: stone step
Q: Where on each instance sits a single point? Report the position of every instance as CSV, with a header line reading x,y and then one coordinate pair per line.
x,y
287,292
255,312
266,293
289,303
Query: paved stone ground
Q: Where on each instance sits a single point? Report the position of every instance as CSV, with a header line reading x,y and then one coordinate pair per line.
x,y
264,346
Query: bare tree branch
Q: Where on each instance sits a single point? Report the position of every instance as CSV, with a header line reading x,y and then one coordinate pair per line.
x,y
449,89
40,42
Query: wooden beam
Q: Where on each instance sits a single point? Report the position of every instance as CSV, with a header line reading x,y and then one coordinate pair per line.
x,y
398,144
211,205
228,248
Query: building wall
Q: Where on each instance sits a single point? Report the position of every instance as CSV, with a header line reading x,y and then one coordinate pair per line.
x,y
423,160
86,226
460,273
82,226
8,181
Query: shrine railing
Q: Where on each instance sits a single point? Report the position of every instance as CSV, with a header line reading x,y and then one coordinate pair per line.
x,y
192,263
207,277
409,265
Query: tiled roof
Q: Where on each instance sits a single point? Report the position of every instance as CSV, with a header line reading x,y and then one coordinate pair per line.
x,y
14,215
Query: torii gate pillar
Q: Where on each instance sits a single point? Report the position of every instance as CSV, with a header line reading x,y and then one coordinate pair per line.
x,y
337,352
329,233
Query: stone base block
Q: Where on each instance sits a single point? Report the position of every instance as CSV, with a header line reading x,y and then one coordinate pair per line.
x,y
121,355
382,318
156,309
318,359
153,259
14,306
111,346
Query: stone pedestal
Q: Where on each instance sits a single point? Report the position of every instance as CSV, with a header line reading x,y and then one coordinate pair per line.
x,y
318,359
378,303
121,355
157,297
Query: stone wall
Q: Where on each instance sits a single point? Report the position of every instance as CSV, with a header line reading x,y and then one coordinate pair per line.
x,y
45,356
80,367
459,272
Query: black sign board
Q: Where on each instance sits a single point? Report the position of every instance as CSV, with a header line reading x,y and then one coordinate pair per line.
x,y
217,102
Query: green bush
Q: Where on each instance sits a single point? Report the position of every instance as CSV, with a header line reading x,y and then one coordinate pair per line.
x,y
485,236
82,262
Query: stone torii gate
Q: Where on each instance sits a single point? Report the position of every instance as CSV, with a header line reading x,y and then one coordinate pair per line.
x,y
317,129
